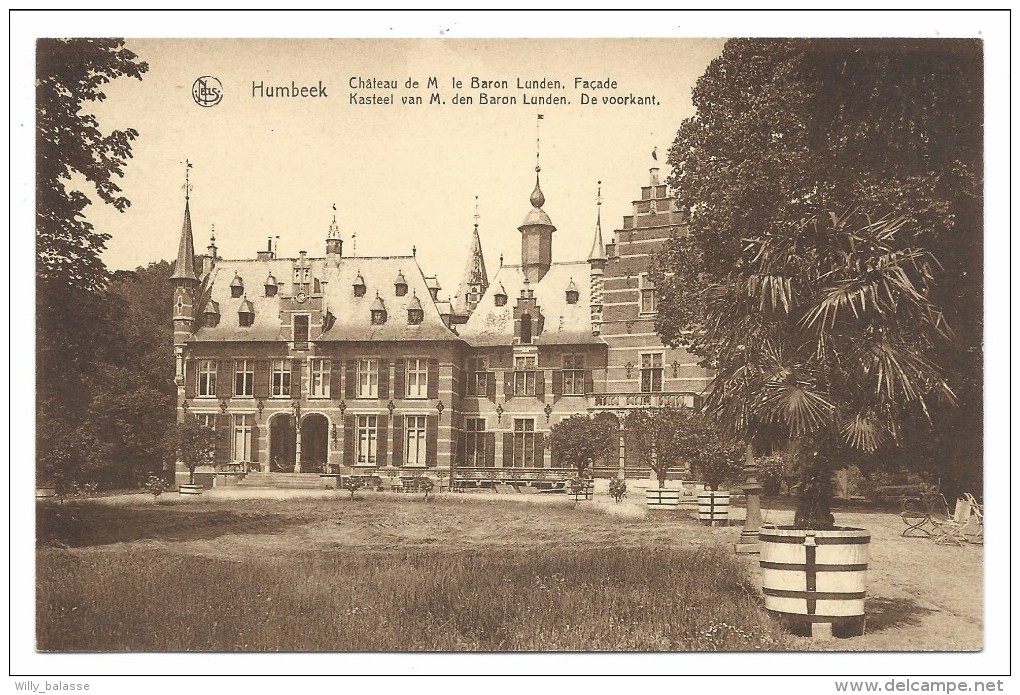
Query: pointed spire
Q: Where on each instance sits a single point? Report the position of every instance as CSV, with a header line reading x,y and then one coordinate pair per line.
x,y
475,280
185,267
334,228
598,249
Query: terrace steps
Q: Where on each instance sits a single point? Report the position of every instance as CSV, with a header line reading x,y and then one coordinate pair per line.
x,y
289,481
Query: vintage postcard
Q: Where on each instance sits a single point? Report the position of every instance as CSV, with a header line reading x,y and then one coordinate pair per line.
x,y
579,346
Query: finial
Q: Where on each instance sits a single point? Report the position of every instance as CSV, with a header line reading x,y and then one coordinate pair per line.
x,y
476,212
500,260
598,198
187,182
414,251
212,234
538,144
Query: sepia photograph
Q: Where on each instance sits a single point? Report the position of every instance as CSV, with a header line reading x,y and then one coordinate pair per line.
x,y
444,345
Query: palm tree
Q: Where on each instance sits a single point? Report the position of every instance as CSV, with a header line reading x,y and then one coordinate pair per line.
x,y
823,341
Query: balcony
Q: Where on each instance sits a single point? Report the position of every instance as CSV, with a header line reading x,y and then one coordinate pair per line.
x,y
614,401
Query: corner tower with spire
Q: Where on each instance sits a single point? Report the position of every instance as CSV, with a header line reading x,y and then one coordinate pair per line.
x,y
185,282
537,229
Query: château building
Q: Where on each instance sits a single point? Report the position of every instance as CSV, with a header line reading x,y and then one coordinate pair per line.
x,y
356,364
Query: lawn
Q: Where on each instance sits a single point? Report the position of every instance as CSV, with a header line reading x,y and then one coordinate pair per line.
x,y
316,571
386,573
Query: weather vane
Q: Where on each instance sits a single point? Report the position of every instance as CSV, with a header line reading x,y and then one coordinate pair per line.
x,y
187,182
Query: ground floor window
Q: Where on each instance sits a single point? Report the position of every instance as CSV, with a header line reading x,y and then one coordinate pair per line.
x,y
207,420
474,442
414,440
524,443
243,425
368,439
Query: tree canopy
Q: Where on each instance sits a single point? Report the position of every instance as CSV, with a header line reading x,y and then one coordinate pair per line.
x,y
580,440
835,233
70,74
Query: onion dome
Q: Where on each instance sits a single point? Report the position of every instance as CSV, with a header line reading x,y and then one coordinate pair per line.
x,y
572,293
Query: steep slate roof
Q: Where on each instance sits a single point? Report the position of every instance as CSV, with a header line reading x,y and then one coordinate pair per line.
x,y
353,318
564,323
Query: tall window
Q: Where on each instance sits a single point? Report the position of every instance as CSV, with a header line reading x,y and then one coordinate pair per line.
x,y
573,375
368,378
651,372
300,330
242,437
367,439
417,378
649,303
474,442
281,379
244,377
414,440
206,378
524,375
524,443
318,378
477,376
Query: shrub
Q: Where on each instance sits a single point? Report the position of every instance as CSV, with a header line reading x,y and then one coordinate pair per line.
x,y
580,440
352,484
156,486
426,485
618,489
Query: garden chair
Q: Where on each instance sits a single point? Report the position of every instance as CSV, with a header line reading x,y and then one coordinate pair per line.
x,y
975,530
955,528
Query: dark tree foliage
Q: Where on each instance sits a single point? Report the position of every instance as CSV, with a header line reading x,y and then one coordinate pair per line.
x,y
789,132
76,325
580,440
70,73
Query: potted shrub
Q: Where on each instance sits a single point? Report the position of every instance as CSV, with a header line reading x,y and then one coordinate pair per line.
x,y
579,440
824,341
712,456
651,435
191,444
617,489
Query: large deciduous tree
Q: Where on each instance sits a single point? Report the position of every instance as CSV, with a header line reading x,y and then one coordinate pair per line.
x,y
73,318
826,181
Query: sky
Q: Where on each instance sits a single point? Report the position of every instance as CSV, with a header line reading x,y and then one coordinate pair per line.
x,y
399,175
403,176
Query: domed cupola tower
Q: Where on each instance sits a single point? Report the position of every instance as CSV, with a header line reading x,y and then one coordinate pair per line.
x,y
536,233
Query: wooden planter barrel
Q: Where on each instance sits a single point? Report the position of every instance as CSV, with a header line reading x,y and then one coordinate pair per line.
x,y
44,491
662,498
186,489
714,507
815,577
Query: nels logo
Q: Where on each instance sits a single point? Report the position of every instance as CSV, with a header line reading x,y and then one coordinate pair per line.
x,y
207,91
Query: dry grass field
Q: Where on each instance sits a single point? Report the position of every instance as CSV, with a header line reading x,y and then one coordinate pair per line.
x,y
315,571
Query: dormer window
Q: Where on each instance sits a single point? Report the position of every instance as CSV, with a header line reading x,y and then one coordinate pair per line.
x,y
500,296
246,314
400,286
378,311
236,286
432,283
359,286
211,314
415,314
572,294
271,286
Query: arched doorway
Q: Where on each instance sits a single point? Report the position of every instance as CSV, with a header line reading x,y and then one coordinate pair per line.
x,y
314,443
281,442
